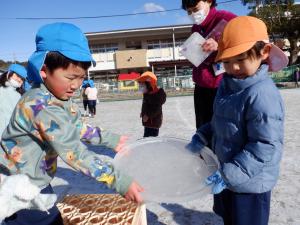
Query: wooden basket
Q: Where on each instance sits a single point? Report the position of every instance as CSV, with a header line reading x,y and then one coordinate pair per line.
x,y
101,209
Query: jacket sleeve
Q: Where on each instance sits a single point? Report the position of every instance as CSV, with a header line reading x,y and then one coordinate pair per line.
x,y
52,127
264,124
97,136
205,133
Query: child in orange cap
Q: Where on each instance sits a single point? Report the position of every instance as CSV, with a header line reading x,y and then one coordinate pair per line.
x,y
153,99
246,131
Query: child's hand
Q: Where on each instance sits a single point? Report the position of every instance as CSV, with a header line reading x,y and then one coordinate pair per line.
x,y
196,144
145,118
133,193
122,143
210,45
216,182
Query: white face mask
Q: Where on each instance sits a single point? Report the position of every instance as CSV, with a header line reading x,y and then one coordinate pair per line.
x,y
13,83
199,16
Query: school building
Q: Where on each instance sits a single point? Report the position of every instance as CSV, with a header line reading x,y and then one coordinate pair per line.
x,y
122,55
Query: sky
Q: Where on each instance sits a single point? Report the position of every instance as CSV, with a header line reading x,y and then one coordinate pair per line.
x,y
18,35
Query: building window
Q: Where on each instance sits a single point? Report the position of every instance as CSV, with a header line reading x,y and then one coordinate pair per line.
x,y
133,44
179,42
156,44
166,44
153,44
104,48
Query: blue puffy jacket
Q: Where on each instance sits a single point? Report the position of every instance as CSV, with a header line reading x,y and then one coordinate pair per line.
x,y
246,132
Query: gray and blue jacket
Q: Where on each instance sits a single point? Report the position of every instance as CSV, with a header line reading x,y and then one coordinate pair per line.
x,y
246,132
9,97
43,128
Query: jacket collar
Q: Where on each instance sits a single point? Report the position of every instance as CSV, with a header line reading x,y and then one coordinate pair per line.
x,y
210,16
48,95
236,85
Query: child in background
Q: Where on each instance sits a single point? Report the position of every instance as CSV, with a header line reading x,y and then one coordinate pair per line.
x,y
84,97
153,99
47,124
11,88
246,131
206,77
91,92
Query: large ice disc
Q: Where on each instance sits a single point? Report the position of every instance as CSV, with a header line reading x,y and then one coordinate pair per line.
x,y
166,169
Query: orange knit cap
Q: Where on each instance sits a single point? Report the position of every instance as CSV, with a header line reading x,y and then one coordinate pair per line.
x,y
149,77
241,33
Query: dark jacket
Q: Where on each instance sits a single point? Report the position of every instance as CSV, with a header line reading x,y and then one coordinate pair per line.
x,y
152,107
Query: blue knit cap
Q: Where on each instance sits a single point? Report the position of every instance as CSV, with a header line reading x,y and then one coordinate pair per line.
x,y
84,83
91,82
65,38
18,69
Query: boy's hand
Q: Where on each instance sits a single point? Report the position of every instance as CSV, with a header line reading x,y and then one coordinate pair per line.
x,y
133,193
210,45
145,118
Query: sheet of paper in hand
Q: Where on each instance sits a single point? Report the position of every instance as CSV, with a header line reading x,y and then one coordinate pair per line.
x,y
192,49
166,169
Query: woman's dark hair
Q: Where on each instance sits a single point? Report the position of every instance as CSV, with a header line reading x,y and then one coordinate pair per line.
x,y
148,86
4,77
255,51
192,3
55,60
21,89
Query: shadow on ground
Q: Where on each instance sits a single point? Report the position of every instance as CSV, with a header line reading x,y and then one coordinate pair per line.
x,y
185,216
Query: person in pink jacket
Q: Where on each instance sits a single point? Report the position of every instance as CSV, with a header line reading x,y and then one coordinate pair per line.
x,y
206,76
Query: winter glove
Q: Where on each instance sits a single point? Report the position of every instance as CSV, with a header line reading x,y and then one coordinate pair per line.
x,y
17,192
216,182
197,143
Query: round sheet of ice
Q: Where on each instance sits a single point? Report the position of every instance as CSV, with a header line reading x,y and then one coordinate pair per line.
x,y
166,169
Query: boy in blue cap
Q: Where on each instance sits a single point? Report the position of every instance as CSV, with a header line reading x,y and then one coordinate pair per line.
x,y
47,124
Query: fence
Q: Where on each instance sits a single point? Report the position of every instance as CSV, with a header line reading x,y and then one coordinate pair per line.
x,y
175,83
186,82
284,75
